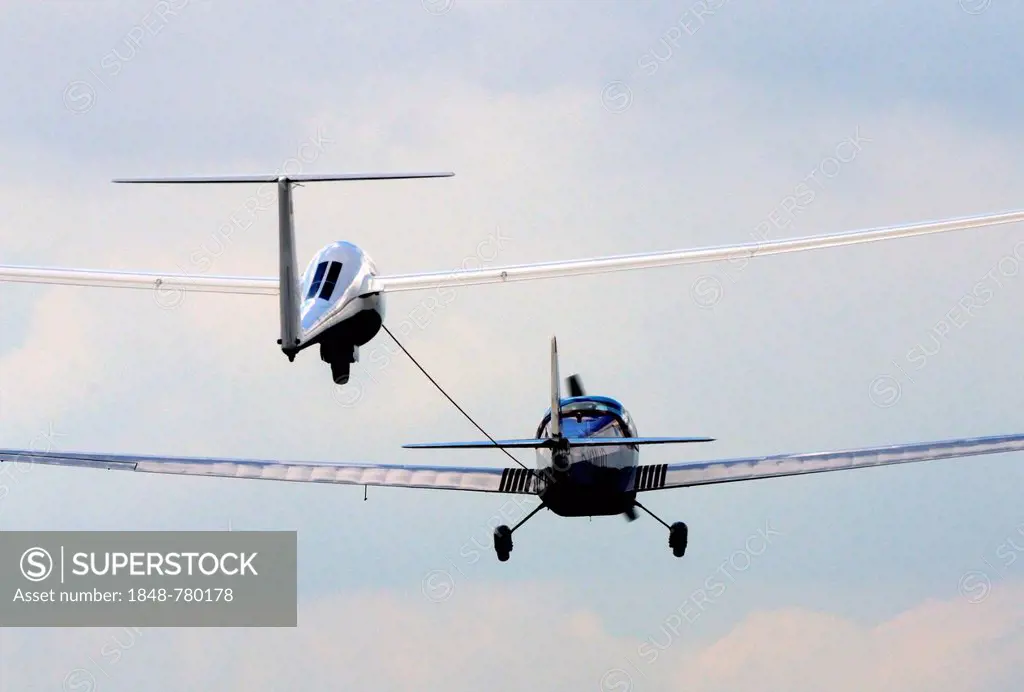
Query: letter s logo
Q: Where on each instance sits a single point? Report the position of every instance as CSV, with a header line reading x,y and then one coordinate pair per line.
x,y
36,564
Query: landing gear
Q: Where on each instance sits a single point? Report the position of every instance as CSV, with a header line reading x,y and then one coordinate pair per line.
x,y
678,533
340,372
677,536
503,542
340,356
503,536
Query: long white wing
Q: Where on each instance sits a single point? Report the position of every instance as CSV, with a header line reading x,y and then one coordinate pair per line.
x,y
601,265
682,475
151,280
521,272
481,479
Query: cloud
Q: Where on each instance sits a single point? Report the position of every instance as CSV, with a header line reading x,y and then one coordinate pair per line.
x,y
538,635
937,646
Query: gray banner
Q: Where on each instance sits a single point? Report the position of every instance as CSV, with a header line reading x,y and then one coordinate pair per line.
x,y
148,578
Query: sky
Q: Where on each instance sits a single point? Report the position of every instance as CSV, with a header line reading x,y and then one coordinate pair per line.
x,y
575,129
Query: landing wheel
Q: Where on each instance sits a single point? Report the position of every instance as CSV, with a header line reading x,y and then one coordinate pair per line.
x,y
677,537
503,542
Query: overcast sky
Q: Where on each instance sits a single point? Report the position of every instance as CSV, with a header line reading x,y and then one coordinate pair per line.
x,y
574,129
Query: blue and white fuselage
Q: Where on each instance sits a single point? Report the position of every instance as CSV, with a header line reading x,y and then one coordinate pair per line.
x,y
589,480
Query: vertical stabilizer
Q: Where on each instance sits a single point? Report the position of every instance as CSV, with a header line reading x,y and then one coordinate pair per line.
x,y
288,269
556,394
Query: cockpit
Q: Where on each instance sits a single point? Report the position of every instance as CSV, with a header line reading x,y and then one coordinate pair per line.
x,y
325,278
591,417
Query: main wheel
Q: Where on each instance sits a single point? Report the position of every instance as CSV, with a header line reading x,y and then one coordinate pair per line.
x,y
677,538
503,542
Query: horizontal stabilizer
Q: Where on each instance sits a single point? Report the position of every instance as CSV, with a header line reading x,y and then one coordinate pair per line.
x,y
573,442
294,177
629,441
481,444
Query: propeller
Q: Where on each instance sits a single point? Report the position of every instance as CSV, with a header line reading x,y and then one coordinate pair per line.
x,y
575,385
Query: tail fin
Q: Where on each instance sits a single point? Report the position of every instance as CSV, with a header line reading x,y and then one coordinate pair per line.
x,y
289,270
556,394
